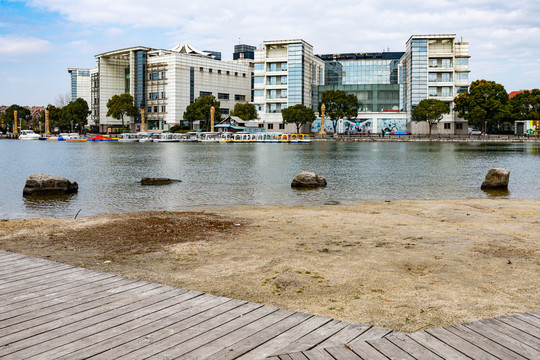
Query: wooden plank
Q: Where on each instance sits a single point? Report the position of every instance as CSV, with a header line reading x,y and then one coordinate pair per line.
x,y
317,354
115,287
410,346
366,351
250,343
66,312
58,334
517,333
141,329
529,318
345,335
38,278
19,267
518,342
105,288
34,275
219,338
185,343
520,324
284,339
371,334
342,353
38,295
462,345
437,346
296,356
389,349
182,331
485,343
314,338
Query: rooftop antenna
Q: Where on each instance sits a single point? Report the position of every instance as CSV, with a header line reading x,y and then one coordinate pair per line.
x,y
239,40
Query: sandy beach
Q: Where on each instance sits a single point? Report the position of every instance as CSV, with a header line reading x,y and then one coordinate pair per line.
x,y
404,265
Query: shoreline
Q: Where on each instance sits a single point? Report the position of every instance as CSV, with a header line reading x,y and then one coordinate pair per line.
x,y
403,265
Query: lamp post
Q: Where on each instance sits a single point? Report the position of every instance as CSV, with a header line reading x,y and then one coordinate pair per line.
x,y
323,109
212,112
15,128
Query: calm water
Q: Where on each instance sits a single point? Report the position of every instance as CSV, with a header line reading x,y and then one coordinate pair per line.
x,y
255,174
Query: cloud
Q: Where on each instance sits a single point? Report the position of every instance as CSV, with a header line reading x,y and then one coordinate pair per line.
x,y
15,46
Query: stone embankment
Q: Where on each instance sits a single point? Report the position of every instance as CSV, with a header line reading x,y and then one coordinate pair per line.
x,y
415,138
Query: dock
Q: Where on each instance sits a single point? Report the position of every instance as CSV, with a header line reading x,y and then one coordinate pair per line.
x,y
50,310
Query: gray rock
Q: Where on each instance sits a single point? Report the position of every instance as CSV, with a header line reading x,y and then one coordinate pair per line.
x,y
158,181
43,184
309,180
496,179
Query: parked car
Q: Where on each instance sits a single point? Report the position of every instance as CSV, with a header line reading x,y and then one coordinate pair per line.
x,y
474,131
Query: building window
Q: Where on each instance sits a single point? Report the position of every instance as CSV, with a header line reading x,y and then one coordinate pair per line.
x,y
201,69
459,126
270,126
228,72
235,74
153,95
258,80
462,61
209,70
205,93
155,109
259,66
240,97
149,110
261,125
163,94
243,74
219,71
163,108
163,74
258,93
222,96
447,126
224,111
281,126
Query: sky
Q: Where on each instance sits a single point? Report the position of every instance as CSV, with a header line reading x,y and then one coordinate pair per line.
x,y
41,39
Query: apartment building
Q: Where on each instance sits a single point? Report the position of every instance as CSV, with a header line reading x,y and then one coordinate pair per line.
x,y
286,73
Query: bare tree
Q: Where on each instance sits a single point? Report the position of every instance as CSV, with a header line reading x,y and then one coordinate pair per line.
x,y
62,100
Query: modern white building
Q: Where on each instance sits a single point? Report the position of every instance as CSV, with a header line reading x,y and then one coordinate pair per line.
x,y
434,67
163,82
286,73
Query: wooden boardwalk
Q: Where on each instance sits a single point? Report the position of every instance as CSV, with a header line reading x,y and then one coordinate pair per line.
x,y
50,310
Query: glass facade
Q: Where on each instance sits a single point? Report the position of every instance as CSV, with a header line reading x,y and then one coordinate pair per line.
x,y
418,69
73,85
296,73
353,72
191,85
371,97
139,81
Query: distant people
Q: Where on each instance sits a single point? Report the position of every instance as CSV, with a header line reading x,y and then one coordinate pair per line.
x,y
382,132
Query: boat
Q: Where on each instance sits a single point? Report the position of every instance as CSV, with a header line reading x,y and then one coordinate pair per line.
x,y
208,137
103,138
166,137
187,137
128,137
299,138
28,135
145,137
225,137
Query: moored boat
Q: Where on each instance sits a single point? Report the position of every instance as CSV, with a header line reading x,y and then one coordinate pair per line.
x,y
28,135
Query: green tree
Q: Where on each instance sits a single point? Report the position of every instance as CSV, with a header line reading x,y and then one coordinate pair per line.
x,y
299,115
55,115
120,105
431,111
76,111
245,111
339,105
525,106
23,115
200,110
485,104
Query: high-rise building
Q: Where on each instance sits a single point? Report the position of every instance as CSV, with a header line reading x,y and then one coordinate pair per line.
x,y
433,67
286,73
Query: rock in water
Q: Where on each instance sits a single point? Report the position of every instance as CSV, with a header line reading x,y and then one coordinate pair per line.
x,y
308,179
158,181
43,184
496,179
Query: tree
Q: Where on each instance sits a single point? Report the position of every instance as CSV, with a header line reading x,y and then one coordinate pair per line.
x,y
525,106
76,111
62,100
485,104
55,115
120,105
200,110
339,105
430,110
245,111
299,115
23,114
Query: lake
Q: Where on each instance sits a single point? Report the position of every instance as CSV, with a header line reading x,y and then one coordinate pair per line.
x,y
214,175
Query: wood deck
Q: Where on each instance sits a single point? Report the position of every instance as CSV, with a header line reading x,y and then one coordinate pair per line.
x,y
50,310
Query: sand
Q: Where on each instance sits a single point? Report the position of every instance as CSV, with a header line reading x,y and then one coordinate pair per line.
x,y
404,265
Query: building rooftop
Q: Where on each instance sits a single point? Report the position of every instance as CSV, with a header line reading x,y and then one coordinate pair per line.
x,y
362,56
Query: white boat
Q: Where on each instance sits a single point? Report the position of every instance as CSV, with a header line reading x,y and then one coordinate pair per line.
x,y
128,137
28,135
166,137
145,137
209,137
187,137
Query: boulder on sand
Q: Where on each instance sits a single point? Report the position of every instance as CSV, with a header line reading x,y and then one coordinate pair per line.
x,y
44,184
496,178
158,181
309,180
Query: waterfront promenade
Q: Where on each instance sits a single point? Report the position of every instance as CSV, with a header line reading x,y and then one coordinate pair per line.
x,y
51,310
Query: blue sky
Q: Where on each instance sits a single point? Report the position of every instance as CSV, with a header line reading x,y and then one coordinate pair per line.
x,y
40,39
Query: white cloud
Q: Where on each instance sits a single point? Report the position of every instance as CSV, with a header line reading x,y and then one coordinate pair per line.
x,y
15,46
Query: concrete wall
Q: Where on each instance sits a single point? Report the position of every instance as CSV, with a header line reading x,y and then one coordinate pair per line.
x,y
422,128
